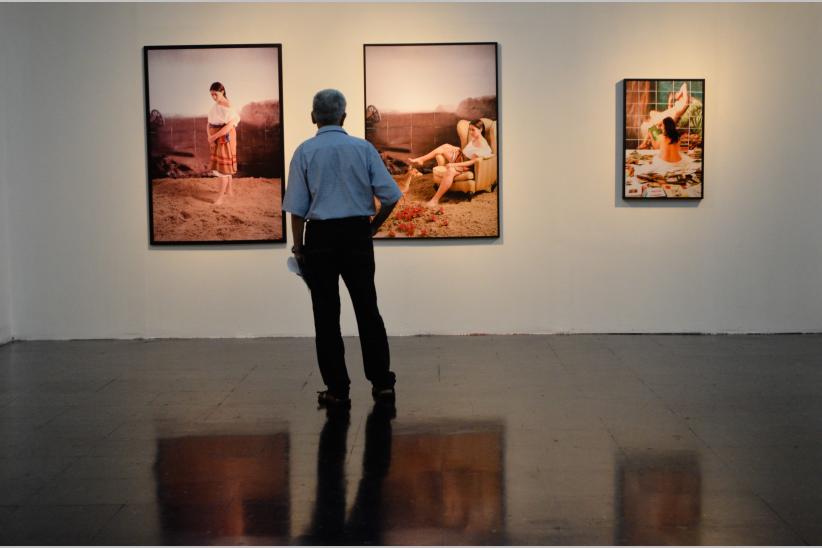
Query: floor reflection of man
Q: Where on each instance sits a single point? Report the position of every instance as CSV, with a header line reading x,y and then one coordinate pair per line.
x,y
364,525
328,519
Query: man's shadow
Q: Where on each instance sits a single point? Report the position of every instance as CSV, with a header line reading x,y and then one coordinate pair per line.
x,y
364,524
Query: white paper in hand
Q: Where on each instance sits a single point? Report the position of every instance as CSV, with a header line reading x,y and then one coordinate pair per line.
x,y
294,266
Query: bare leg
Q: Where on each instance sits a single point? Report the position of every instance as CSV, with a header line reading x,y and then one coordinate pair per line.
x,y
679,105
442,149
683,91
406,184
445,184
230,185
224,185
683,100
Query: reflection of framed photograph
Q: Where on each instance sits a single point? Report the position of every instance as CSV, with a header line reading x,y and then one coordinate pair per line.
x,y
453,465
216,488
651,485
663,139
431,112
214,144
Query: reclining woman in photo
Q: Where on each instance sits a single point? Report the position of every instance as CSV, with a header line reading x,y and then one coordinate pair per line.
x,y
678,104
458,160
222,139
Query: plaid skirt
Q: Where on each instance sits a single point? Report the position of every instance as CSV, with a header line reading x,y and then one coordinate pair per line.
x,y
224,156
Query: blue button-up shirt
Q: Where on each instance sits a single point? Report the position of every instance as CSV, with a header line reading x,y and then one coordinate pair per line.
x,y
334,175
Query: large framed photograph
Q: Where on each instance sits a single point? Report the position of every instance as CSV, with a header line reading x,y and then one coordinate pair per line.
x,y
431,110
663,139
214,143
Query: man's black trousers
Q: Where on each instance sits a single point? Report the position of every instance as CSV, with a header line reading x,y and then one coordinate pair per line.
x,y
343,248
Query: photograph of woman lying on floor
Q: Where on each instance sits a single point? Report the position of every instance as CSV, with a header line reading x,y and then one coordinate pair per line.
x,y
437,134
215,154
663,139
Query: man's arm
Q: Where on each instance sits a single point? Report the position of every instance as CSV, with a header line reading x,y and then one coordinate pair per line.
x,y
379,218
384,187
297,228
297,201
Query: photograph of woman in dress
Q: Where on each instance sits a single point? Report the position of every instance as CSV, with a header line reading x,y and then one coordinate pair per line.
x,y
222,136
215,153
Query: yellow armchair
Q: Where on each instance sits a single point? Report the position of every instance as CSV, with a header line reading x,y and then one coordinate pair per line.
x,y
483,175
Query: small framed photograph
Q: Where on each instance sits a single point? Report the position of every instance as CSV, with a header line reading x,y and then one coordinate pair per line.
x,y
431,110
214,144
663,139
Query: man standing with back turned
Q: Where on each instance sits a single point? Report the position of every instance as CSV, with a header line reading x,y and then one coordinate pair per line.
x,y
332,182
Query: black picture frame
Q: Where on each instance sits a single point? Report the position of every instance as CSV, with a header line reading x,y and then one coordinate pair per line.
x,y
496,108
624,136
277,135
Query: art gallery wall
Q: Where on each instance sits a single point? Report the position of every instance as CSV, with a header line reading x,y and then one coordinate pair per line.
x,y
5,284
5,268
572,256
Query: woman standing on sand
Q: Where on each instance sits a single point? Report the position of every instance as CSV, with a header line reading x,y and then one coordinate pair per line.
x,y
222,139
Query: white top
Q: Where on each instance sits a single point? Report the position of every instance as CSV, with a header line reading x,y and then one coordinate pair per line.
x,y
220,115
471,151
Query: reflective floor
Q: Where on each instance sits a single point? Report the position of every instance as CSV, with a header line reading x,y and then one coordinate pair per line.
x,y
496,440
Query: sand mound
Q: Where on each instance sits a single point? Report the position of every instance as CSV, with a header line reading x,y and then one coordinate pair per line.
x,y
184,212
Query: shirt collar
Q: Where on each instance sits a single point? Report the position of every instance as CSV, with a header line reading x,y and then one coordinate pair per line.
x,y
326,129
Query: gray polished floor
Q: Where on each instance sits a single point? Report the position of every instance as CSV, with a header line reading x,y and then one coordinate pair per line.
x,y
503,440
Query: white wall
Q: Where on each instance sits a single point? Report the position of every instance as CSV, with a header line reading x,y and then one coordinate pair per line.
x,y
573,257
5,283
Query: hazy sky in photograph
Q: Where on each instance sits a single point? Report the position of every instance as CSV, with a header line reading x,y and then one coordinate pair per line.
x,y
179,79
422,78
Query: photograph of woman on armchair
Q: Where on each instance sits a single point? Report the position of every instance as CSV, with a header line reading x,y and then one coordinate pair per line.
x,y
452,161
436,136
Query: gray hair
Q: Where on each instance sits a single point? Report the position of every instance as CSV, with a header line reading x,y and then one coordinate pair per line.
x,y
329,106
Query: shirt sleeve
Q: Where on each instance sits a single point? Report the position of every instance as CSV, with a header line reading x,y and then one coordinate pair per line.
x,y
383,184
233,117
297,197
